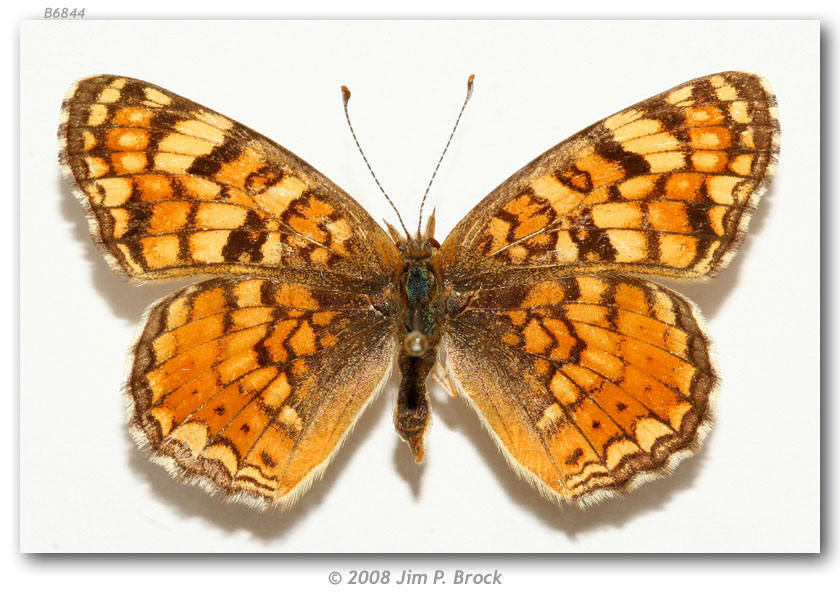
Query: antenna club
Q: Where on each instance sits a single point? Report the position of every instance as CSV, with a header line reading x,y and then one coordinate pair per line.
x,y
345,93
430,224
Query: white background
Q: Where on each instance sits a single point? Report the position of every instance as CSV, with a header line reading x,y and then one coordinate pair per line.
x,y
84,485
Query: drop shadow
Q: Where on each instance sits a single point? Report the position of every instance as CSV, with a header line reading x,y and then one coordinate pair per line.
x,y
192,502
828,298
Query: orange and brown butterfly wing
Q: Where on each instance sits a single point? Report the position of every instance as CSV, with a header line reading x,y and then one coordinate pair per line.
x,y
664,187
588,384
248,386
591,384
173,188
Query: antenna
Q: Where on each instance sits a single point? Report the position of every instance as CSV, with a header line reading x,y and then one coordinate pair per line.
x,y
470,80
345,94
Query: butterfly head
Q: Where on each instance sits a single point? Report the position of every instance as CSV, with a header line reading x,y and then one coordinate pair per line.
x,y
418,249
415,247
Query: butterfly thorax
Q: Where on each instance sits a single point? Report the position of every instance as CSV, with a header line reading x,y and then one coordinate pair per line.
x,y
420,303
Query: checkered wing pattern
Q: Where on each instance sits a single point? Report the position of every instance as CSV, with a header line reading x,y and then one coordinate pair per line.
x,y
173,188
664,187
588,383
246,383
249,385
591,379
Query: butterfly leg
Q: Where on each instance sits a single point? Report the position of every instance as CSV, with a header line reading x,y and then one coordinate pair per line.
x,y
442,378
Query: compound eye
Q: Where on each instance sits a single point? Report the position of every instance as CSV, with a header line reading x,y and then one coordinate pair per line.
x,y
434,242
415,344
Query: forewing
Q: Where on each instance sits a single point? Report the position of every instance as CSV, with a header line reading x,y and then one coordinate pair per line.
x,y
250,385
173,188
664,187
589,384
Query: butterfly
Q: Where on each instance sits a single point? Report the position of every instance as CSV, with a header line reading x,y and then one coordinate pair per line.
x,y
535,309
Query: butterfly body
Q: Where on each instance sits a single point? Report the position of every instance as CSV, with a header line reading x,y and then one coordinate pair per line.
x,y
590,378
421,301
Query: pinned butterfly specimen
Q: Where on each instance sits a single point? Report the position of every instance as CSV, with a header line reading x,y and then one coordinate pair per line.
x,y
534,309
